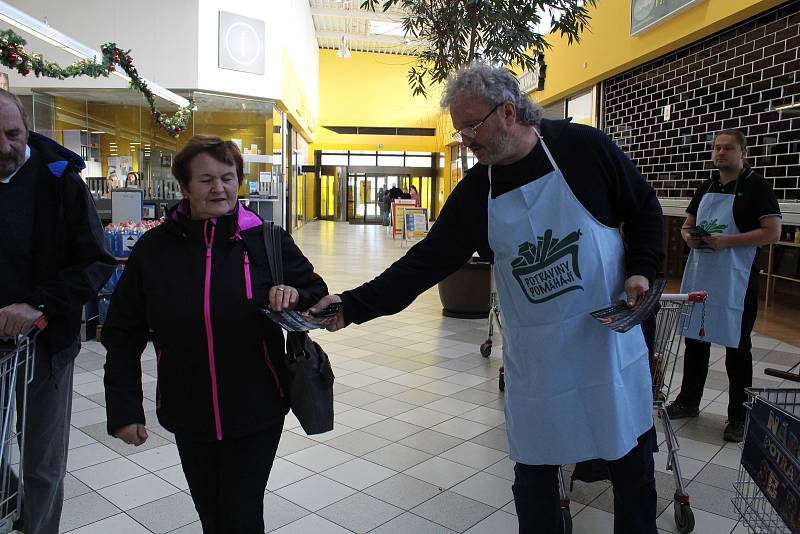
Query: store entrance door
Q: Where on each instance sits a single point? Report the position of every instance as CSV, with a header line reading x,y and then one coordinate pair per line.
x,y
364,193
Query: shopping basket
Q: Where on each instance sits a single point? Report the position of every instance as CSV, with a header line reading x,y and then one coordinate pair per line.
x,y
17,358
767,489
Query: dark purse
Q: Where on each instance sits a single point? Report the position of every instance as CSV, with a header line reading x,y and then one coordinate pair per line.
x,y
310,387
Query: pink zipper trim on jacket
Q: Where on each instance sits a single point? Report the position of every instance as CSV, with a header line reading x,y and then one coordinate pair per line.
x,y
158,380
209,332
272,368
247,284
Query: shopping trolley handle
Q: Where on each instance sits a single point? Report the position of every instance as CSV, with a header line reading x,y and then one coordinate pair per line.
x,y
692,296
38,325
698,296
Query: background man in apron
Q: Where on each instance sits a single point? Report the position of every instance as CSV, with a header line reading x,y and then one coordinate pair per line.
x,y
738,208
546,202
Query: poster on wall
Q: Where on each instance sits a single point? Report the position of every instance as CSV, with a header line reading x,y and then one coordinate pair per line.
x,y
647,13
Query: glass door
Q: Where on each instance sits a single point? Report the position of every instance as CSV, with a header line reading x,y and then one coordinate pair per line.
x,y
327,197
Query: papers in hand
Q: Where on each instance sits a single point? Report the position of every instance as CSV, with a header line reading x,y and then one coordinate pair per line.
x,y
293,321
621,318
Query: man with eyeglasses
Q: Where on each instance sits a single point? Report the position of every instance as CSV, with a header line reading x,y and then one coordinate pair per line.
x,y
546,202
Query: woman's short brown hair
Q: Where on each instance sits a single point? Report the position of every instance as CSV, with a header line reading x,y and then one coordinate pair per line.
x,y
220,150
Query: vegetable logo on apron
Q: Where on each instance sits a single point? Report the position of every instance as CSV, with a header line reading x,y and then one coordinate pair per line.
x,y
712,226
549,268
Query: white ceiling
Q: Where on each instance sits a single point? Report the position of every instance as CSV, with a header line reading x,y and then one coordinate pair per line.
x,y
364,30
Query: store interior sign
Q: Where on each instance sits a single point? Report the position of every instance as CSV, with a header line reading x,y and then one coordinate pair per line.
x,y
647,13
533,80
241,43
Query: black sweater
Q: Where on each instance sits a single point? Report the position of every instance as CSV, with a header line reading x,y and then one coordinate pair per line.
x,y
220,361
602,177
66,263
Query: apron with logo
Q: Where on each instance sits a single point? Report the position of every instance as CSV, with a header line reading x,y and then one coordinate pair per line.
x,y
723,273
575,390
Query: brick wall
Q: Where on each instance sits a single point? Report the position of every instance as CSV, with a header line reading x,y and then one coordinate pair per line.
x,y
733,79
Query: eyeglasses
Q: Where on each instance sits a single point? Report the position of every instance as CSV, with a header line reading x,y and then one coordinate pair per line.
x,y
472,131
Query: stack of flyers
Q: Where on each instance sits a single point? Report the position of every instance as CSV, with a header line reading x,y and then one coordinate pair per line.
x,y
621,318
293,321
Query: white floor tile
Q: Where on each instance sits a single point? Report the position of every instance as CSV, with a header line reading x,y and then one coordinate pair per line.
x,y
157,458
311,523
486,488
109,473
359,418
284,473
315,492
92,454
461,428
423,417
473,455
440,472
319,458
359,474
118,524
174,475
138,491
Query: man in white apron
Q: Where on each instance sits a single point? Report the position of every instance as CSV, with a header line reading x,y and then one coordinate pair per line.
x,y
738,210
550,196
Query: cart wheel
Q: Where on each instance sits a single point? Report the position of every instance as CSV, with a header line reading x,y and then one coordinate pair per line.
x,y
684,518
567,518
486,348
502,380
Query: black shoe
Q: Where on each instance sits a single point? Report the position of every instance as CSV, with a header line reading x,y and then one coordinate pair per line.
x,y
678,410
734,431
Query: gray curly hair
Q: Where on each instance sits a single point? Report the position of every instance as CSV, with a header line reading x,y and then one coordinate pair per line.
x,y
495,85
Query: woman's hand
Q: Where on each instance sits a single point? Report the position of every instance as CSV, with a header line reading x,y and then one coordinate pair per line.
x,y
135,434
283,298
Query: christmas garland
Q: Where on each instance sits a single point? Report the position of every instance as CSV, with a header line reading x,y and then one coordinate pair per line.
x,y
14,56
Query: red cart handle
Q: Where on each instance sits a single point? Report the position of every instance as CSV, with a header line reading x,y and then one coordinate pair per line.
x,y
698,296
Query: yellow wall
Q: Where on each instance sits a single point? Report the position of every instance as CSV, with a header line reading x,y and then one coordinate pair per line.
x,y
607,48
370,89
296,102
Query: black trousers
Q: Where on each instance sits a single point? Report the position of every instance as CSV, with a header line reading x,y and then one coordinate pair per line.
x,y
228,479
538,505
738,362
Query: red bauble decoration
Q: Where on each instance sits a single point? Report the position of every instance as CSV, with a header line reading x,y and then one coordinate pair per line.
x,y
13,56
25,72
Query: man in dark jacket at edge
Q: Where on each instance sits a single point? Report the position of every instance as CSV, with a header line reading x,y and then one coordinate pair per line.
x,y
52,261
546,197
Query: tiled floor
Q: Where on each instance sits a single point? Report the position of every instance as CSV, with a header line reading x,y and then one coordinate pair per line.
x,y
419,444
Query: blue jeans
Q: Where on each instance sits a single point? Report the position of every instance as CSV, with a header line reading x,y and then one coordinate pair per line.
x,y
538,504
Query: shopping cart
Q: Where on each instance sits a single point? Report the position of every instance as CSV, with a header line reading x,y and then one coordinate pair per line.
x,y
672,320
17,358
767,489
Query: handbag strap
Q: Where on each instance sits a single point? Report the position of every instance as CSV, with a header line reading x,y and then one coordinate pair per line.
x,y
272,241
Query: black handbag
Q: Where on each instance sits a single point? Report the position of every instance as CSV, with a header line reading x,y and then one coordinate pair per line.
x,y
310,387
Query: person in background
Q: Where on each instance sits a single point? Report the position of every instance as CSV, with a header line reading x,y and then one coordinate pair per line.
x,y
414,194
52,261
382,206
545,203
739,212
112,182
195,285
132,180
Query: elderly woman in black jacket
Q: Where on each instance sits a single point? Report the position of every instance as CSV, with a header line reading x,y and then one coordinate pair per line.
x,y
195,284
